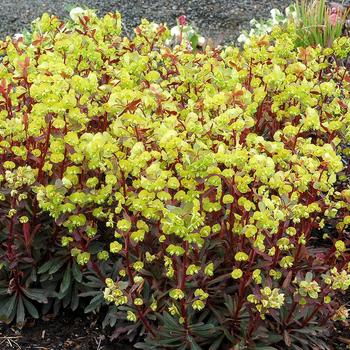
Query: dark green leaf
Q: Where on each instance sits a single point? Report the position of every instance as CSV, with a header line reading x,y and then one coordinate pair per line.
x,y
31,308
20,315
7,307
57,265
194,345
78,276
46,267
95,303
35,294
3,291
67,297
66,281
75,298
217,343
170,322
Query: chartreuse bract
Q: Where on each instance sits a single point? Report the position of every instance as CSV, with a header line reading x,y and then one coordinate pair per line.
x,y
203,196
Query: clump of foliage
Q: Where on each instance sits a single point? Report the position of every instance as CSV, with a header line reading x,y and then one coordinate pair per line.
x,y
203,195
318,24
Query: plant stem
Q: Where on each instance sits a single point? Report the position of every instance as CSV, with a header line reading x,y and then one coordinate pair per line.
x,y
308,319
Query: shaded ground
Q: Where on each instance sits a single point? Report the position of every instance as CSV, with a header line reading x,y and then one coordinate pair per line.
x,y
67,332
81,332
222,20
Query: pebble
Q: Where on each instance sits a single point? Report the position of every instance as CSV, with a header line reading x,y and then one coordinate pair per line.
x,y
220,20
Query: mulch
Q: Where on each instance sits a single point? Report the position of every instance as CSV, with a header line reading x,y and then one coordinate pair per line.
x,y
219,20
66,332
83,332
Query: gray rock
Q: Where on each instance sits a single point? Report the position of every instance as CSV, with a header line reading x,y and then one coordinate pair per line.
x,y
220,20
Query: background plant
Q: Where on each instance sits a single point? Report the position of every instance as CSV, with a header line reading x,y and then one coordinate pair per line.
x,y
317,23
203,195
262,27
185,33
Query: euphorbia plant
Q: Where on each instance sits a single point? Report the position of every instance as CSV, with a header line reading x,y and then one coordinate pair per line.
x,y
198,187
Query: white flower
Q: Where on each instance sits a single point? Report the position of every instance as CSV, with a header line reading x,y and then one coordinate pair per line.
x,y
154,27
242,38
175,31
18,36
276,15
76,13
201,40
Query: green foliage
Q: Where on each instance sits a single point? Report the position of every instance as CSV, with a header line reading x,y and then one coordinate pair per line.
x,y
262,27
202,195
317,25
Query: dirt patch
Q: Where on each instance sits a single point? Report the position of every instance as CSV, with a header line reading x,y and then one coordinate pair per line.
x,y
67,332
81,332
220,20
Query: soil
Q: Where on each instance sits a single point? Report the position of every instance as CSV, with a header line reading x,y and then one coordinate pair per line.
x,y
81,332
67,332
219,20
343,336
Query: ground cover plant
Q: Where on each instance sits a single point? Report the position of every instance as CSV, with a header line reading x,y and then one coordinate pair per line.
x,y
200,199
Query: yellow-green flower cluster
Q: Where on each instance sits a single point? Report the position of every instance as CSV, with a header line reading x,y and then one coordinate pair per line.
x,y
113,294
337,279
268,299
196,172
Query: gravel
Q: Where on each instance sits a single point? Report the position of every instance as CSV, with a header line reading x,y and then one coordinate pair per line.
x,y
220,20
